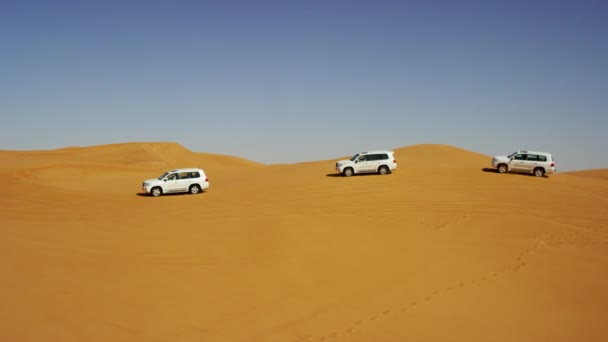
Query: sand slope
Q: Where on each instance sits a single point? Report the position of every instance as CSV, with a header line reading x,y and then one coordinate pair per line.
x,y
440,250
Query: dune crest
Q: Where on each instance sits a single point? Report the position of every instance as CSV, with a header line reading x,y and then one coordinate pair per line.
x,y
440,156
129,154
97,168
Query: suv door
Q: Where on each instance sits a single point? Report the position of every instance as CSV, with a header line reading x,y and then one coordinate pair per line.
x,y
361,164
184,181
518,163
172,183
373,162
531,162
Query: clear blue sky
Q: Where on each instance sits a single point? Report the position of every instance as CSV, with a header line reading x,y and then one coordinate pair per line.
x,y
289,81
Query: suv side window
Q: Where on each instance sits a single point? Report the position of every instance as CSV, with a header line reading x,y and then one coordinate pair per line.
x,y
542,158
195,174
184,175
383,156
520,157
372,157
532,157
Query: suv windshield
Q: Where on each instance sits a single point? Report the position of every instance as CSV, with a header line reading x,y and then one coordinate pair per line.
x,y
163,176
512,154
354,157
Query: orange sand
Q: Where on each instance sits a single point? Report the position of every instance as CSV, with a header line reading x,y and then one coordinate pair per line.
x,y
440,250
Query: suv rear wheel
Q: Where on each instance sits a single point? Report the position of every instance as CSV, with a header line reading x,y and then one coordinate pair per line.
x,y
539,172
194,189
383,170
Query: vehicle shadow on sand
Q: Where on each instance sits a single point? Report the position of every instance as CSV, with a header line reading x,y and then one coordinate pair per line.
x,y
487,169
490,170
143,194
357,175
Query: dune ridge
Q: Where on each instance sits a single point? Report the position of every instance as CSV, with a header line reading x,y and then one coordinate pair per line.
x,y
132,154
439,250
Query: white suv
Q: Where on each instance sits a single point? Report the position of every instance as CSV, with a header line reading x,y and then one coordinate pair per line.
x,y
382,162
192,180
538,163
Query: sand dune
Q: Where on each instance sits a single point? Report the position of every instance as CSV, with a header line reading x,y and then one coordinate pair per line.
x,y
437,251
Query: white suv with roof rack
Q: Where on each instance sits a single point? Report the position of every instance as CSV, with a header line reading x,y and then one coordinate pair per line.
x,y
537,163
381,162
192,180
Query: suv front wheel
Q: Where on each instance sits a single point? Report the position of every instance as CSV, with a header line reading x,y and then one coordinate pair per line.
x,y
156,191
502,168
348,171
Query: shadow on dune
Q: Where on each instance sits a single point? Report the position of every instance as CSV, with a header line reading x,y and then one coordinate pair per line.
x,y
490,170
334,175
143,194
487,169
357,175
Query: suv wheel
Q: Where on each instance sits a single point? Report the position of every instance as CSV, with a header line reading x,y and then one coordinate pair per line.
x,y
502,168
383,170
348,171
194,189
539,172
156,191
